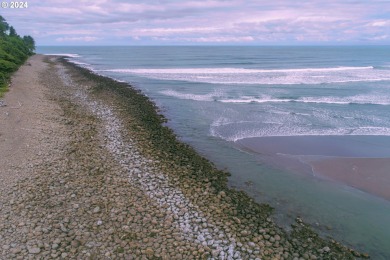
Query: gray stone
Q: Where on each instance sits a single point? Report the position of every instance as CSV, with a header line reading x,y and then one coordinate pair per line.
x,y
34,250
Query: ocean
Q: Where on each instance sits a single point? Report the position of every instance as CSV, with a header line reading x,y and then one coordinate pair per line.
x,y
305,129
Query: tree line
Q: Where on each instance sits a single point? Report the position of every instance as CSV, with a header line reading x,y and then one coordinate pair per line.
x,y
14,51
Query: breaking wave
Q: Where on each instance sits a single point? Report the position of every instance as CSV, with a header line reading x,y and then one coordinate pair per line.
x,y
263,76
218,96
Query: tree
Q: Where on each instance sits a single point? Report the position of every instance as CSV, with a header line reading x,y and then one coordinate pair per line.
x,y
29,41
14,51
12,32
3,26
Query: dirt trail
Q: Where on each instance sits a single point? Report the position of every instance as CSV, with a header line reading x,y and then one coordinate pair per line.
x,y
25,123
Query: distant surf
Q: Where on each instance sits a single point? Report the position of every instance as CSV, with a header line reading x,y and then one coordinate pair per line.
x,y
219,96
262,76
70,55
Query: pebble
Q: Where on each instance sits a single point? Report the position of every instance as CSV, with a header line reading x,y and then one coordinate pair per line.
x,y
15,250
34,250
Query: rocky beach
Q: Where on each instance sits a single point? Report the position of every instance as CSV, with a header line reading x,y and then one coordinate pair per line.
x,y
90,171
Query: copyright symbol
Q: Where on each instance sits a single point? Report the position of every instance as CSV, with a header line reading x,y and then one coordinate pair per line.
x,y
4,4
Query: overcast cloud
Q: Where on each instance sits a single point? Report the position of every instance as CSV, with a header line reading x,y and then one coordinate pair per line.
x,y
119,22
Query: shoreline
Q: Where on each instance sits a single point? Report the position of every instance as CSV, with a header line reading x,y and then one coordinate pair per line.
x,y
124,186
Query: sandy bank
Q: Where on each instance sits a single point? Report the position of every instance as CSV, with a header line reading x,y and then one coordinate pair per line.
x,y
106,180
361,162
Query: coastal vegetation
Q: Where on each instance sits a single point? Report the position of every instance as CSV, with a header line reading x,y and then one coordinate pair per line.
x,y
14,51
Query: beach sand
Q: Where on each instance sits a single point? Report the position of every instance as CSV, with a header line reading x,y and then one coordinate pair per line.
x,y
361,162
88,171
371,175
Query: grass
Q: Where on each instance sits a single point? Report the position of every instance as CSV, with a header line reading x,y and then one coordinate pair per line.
x,y
3,89
3,83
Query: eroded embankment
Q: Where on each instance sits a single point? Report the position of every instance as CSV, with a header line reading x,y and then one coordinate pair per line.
x,y
122,186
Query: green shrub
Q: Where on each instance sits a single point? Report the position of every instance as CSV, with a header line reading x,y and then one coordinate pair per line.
x,y
14,51
7,66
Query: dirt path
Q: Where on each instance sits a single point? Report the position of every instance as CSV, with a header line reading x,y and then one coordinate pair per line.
x,y
25,124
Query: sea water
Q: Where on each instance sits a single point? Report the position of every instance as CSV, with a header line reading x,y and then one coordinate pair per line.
x,y
216,96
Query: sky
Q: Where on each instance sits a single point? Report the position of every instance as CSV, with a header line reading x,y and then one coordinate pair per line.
x,y
197,22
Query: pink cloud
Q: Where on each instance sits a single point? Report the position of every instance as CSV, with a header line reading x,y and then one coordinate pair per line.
x,y
153,20
77,39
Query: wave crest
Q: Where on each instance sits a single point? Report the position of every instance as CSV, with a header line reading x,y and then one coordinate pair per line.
x,y
262,76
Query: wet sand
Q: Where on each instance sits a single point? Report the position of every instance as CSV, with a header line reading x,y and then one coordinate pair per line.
x,y
371,175
361,162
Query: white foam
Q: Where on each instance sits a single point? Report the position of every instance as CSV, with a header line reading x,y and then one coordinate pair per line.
x,y
360,99
233,129
262,76
198,97
273,131
368,99
231,70
253,100
80,63
70,55
267,99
